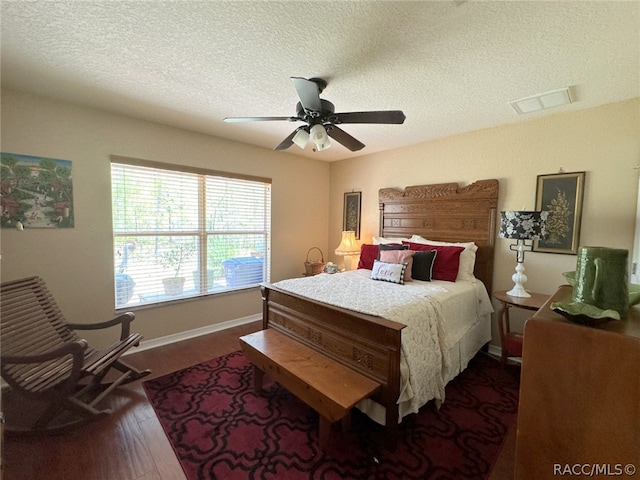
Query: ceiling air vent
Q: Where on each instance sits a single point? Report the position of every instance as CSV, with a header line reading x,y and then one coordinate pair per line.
x,y
541,101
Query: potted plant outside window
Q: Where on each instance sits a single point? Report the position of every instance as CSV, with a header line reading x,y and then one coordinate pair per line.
x,y
173,259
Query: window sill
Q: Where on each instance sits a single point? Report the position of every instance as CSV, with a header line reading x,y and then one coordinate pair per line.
x,y
163,300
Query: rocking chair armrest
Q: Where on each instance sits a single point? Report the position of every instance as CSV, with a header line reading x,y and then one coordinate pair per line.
x,y
75,348
124,319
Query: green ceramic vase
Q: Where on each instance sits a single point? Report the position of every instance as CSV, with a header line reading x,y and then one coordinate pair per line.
x,y
602,278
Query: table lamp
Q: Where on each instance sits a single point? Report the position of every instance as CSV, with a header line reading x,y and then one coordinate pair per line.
x,y
348,247
522,226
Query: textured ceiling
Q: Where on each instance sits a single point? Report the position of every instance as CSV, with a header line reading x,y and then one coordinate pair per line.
x,y
451,66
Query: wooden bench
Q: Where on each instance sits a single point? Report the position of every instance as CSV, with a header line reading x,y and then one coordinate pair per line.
x,y
327,386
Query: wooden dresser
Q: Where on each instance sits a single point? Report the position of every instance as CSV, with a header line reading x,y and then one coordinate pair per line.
x,y
579,396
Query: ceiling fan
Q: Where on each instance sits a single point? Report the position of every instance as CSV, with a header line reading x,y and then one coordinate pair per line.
x,y
321,120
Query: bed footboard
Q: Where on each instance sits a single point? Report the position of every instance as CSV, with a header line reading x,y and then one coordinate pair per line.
x,y
368,344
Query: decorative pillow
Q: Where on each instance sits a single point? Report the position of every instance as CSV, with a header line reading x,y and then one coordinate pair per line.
x,y
391,246
385,241
388,272
368,253
423,265
467,257
447,261
399,256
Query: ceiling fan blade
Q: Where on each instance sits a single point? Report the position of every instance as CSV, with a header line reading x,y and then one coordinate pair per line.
x,y
309,94
384,116
259,119
344,138
287,142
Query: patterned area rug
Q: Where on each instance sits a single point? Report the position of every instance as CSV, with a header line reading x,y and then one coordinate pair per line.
x,y
220,429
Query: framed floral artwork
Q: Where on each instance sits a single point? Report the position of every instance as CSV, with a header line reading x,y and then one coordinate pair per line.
x,y
561,195
351,212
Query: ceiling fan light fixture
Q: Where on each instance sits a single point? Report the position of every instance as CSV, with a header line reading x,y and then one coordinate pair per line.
x,y
301,138
319,137
322,146
318,134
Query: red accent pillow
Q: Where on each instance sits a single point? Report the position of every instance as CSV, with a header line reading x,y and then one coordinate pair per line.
x,y
368,253
447,261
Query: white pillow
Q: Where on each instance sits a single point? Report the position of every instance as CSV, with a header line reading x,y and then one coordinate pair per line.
x,y
385,241
467,257
388,272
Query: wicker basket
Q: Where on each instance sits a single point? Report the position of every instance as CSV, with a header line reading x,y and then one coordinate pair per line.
x,y
314,267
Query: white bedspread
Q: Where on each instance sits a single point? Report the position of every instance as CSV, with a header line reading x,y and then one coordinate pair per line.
x,y
437,315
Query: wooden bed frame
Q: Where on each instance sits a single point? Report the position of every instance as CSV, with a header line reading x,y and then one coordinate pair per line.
x,y
369,344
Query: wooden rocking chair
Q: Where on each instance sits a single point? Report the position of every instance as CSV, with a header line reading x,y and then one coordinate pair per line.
x,y
44,359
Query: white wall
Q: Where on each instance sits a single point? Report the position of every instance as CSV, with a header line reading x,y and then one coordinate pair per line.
x,y
604,142
77,263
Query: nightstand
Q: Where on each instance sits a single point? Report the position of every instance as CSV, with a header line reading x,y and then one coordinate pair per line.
x,y
512,341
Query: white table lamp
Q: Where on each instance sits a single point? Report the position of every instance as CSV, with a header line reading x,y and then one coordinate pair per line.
x,y
348,247
522,226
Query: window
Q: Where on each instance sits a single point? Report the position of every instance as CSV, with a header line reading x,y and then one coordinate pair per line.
x,y
180,232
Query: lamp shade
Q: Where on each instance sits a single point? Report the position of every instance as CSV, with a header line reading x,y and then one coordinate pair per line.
x,y
301,138
523,225
319,137
318,133
348,244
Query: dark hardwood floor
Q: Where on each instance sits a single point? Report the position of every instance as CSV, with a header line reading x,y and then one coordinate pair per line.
x,y
130,444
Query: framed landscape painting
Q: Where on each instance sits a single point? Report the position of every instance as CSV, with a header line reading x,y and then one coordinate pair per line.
x,y
561,195
37,192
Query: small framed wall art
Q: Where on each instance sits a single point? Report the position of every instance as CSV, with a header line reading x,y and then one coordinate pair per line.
x,y
351,212
561,195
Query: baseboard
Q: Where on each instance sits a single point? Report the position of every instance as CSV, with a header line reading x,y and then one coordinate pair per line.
x,y
495,350
178,337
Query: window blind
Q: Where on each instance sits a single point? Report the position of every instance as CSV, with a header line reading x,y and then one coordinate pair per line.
x,y
185,233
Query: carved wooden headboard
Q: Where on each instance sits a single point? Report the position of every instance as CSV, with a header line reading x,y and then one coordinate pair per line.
x,y
446,213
